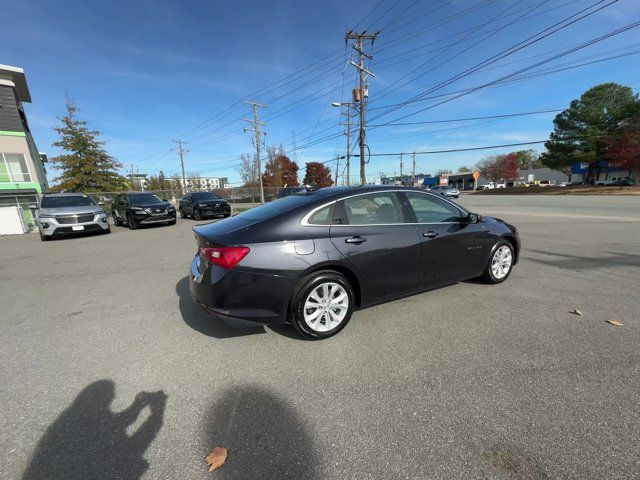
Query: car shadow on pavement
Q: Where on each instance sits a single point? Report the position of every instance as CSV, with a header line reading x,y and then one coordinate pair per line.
x,y
576,262
88,440
264,435
198,319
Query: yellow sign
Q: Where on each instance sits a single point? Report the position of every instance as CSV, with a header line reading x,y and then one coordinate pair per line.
x,y
476,175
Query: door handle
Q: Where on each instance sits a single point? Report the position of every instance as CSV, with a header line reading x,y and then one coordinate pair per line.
x,y
356,240
430,234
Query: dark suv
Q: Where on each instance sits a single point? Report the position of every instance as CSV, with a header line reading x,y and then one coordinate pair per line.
x,y
142,208
202,204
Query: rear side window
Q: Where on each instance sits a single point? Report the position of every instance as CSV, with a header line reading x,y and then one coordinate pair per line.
x,y
275,207
373,209
430,209
322,216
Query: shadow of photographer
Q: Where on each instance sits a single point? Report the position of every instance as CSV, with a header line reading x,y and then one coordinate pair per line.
x,y
89,441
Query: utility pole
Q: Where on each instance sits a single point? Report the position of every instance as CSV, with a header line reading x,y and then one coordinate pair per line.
x,y
414,170
180,153
348,134
293,145
362,94
132,186
337,169
256,124
401,165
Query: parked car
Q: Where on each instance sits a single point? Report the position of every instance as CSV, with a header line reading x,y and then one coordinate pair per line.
x,y
70,213
445,191
311,259
608,181
142,208
564,184
532,183
286,191
548,183
203,204
626,181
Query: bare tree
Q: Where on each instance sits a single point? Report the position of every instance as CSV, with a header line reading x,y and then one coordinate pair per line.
x,y
248,170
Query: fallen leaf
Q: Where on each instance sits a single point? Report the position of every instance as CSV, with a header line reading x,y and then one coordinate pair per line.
x,y
216,458
577,312
615,322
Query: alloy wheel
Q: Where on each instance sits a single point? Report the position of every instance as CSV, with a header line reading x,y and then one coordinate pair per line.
x,y
501,262
326,307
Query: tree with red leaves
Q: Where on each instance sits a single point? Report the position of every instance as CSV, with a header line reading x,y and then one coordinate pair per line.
x,y
500,167
510,165
317,175
622,147
280,170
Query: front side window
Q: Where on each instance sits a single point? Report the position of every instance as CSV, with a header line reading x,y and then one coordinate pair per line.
x,y
13,168
430,209
373,209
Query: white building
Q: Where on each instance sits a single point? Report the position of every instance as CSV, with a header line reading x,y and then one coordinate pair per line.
x,y
206,183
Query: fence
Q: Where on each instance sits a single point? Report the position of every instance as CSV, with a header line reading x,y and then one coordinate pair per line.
x,y
240,198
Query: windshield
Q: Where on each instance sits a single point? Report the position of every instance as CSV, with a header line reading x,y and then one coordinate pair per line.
x,y
275,207
66,201
205,196
144,198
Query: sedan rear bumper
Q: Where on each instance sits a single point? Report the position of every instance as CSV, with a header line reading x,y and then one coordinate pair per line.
x,y
244,295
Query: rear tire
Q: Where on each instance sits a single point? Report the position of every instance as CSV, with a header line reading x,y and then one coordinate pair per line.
x,y
322,305
500,263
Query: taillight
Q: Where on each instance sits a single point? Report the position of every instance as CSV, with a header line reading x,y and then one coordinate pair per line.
x,y
227,257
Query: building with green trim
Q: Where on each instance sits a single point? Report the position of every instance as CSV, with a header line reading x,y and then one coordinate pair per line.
x,y
22,172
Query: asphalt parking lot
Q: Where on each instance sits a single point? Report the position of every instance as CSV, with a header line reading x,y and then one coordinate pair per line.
x,y
108,369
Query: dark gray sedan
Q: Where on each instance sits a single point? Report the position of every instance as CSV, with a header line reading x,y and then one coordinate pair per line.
x,y
312,258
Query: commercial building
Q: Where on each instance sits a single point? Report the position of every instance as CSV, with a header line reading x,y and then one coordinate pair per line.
x,y
22,171
543,174
580,172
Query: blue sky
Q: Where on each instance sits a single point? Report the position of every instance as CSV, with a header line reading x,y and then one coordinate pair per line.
x,y
144,73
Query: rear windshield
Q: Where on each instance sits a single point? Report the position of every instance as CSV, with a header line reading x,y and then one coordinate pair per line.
x,y
205,196
276,207
66,201
144,198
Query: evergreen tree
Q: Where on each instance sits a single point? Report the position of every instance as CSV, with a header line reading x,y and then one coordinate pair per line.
x,y
580,131
85,166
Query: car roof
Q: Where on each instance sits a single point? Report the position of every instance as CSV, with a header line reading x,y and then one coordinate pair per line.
x,y
329,193
64,194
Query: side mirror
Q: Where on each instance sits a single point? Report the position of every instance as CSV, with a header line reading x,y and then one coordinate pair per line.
x,y
165,200
473,218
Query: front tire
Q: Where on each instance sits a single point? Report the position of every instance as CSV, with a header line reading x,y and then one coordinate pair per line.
x,y
182,214
116,222
197,216
323,305
131,222
500,263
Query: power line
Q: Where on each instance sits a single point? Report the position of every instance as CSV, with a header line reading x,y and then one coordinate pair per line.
x,y
503,115
566,22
